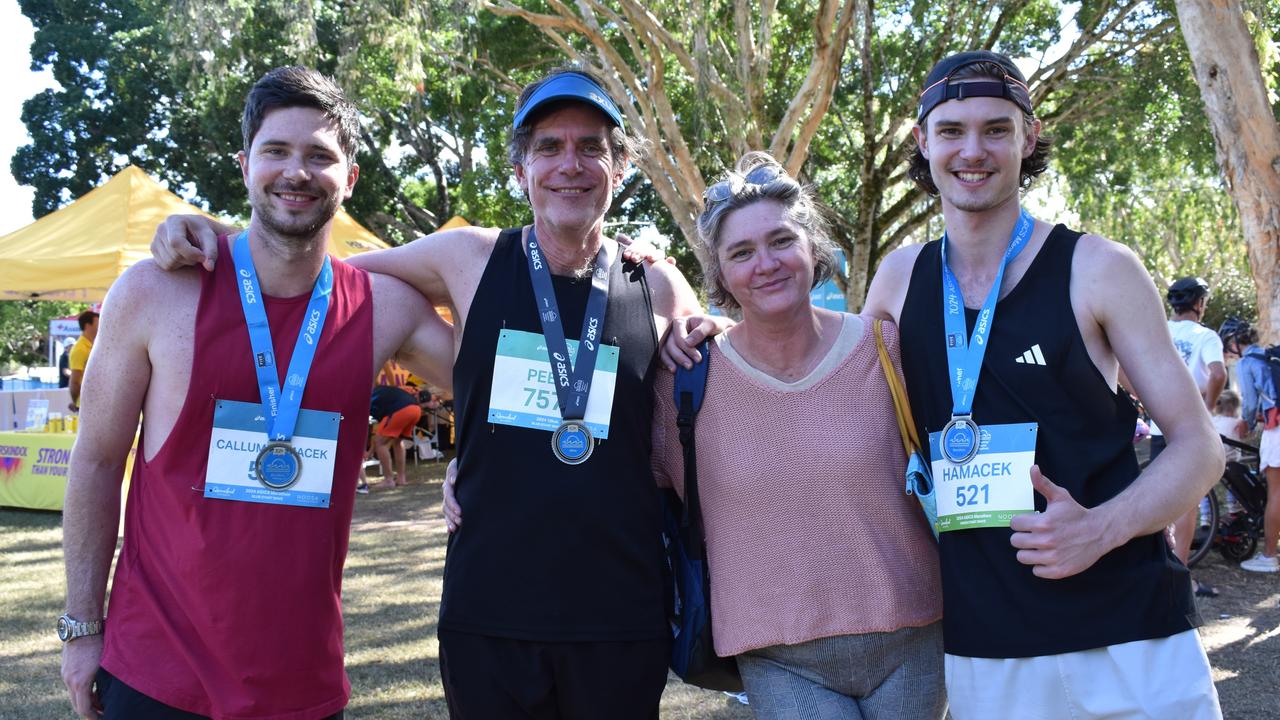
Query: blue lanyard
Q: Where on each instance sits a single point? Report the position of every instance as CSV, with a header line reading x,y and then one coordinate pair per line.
x,y
281,408
573,381
964,359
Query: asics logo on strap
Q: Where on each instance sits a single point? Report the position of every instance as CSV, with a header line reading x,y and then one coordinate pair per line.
x,y
1032,357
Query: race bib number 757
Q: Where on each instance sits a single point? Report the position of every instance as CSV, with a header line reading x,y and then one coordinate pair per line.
x,y
524,392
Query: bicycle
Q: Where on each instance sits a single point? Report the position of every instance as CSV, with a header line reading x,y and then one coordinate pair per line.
x,y
1236,534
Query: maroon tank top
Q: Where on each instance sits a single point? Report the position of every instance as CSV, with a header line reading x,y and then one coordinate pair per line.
x,y
233,609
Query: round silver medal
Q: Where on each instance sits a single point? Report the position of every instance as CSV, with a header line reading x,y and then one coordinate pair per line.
x,y
960,439
279,466
572,442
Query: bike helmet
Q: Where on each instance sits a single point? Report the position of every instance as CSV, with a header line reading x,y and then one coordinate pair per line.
x,y
1232,328
1238,331
1186,291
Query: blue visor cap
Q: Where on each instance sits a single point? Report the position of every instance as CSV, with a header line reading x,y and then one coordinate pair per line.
x,y
939,88
569,86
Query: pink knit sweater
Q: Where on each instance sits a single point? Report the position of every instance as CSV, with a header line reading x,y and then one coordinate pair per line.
x,y
809,531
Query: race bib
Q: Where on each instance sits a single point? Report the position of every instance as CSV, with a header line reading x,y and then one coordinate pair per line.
x,y
240,434
524,393
995,485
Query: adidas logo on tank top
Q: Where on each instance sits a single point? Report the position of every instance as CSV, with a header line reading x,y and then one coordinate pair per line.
x,y
1032,356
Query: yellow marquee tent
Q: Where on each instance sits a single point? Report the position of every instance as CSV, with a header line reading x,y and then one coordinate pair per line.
x,y
75,253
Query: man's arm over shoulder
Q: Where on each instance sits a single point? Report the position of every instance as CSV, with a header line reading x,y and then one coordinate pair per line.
x,y
408,328
672,295
115,384
1124,302
439,266
888,289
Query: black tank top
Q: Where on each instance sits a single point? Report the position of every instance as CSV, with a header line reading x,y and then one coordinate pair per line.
x,y
548,551
993,606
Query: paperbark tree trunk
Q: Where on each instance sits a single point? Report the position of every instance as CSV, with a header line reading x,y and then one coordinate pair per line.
x,y
1245,134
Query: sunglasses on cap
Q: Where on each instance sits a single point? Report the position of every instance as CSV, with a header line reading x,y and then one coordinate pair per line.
x,y
735,183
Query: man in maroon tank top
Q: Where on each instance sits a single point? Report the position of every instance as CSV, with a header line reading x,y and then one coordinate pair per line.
x,y
226,600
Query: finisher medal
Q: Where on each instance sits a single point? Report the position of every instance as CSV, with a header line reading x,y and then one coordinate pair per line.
x,y
572,442
278,466
960,440
960,437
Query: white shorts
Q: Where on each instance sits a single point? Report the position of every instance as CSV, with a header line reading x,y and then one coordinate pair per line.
x,y
1269,449
1157,679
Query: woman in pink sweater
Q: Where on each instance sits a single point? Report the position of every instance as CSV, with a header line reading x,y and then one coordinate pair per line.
x,y
824,576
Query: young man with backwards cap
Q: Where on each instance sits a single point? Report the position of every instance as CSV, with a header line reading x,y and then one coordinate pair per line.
x,y
1061,596
553,598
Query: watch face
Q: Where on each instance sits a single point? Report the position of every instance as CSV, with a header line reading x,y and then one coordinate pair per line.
x,y
64,629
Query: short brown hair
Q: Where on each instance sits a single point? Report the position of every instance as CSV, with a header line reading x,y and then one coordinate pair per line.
x,y
297,86
86,318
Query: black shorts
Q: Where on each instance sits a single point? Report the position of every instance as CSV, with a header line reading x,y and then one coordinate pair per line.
x,y
121,702
492,678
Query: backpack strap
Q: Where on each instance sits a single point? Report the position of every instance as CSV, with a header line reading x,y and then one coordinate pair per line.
x,y
690,388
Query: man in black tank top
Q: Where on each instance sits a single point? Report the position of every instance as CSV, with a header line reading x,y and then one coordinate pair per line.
x,y
1013,332
553,602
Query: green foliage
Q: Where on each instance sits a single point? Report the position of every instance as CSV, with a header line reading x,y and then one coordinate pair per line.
x,y
102,117
161,85
24,330
1144,174
1234,295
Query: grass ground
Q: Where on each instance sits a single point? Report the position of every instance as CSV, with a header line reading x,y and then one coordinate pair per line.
x,y
392,592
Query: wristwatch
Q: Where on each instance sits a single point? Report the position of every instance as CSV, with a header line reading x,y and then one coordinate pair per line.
x,y
70,628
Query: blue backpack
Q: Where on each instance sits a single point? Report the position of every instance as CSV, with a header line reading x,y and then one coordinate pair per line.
x,y
693,656
1270,356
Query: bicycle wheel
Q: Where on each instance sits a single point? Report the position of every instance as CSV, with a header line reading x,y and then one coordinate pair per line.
x,y
1238,538
1206,530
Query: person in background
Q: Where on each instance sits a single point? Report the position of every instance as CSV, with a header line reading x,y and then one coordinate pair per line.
x,y
1227,421
79,357
1201,351
397,412
64,367
1260,411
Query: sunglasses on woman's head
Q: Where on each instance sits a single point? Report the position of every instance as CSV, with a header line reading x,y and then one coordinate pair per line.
x,y
735,183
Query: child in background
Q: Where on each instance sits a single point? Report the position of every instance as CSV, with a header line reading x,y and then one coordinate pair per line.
x,y
1227,421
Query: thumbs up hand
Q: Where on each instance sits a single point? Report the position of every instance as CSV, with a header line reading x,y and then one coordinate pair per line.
x,y
1061,541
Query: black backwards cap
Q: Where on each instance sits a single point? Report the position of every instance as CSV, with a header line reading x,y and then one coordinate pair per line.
x,y
938,87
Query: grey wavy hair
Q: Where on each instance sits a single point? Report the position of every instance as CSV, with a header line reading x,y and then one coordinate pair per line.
x,y
800,202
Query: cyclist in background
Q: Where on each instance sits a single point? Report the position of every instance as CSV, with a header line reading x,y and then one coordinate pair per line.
x,y
1258,392
1201,351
